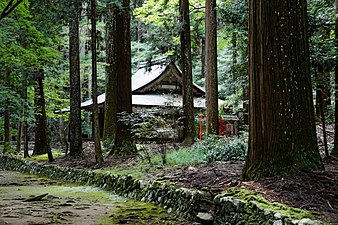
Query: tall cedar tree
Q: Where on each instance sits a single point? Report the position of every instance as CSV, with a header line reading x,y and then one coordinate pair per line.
x,y
75,137
335,150
41,144
282,128
188,100
211,67
109,128
123,140
98,152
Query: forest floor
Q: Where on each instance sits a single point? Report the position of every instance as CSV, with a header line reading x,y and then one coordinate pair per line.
x,y
313,191
32,200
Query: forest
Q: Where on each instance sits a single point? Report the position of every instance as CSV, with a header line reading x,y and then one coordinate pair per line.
x,y
250,90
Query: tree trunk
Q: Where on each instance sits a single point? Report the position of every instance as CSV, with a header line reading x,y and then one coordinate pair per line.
x,y
203,57
7,129
96,135
282,135
323,83
25,125
18,137
211,67
234,54
109,128
25,140
319,96
41,145
7,144
123,140
187,87
75,130
335,150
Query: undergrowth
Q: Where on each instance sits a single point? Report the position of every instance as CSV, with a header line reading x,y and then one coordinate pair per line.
x,y
217,148
210,150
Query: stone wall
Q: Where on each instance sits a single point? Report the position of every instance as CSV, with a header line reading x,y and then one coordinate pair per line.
x,y
197,205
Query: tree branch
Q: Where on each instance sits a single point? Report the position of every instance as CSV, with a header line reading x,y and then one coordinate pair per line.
x,y
9,8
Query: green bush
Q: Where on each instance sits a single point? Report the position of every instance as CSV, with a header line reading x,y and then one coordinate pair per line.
x,y
222,149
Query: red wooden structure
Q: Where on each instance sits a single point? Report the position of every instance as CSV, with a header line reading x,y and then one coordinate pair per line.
x,y
227,127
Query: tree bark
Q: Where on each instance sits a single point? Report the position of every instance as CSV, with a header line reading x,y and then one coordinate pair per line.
x,y
7,129
25,125
319,96
203,57
282,135
96,135
41,145
211,67
109,128
335,149
7,144
123,139
75,130
18,137
234,54
187,87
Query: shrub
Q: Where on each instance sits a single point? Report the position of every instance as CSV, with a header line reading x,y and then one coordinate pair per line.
x,y
222,149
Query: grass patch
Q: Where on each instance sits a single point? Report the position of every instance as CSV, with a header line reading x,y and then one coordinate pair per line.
x,y
181,157
175,158
137,169
44,157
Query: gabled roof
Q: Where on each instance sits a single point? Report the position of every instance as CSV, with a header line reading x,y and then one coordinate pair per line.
x,y
146,78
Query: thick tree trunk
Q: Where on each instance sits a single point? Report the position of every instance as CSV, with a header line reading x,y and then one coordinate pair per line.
x,y
211,67
75,130
96,135
335,150
123,140
41,145
187,87
109,128
282,128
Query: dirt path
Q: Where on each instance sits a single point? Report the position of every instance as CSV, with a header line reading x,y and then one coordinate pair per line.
x,y
70,204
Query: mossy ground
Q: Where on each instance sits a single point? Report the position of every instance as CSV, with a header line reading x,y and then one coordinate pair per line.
x,y
132,212
248,196
44,157
71,204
